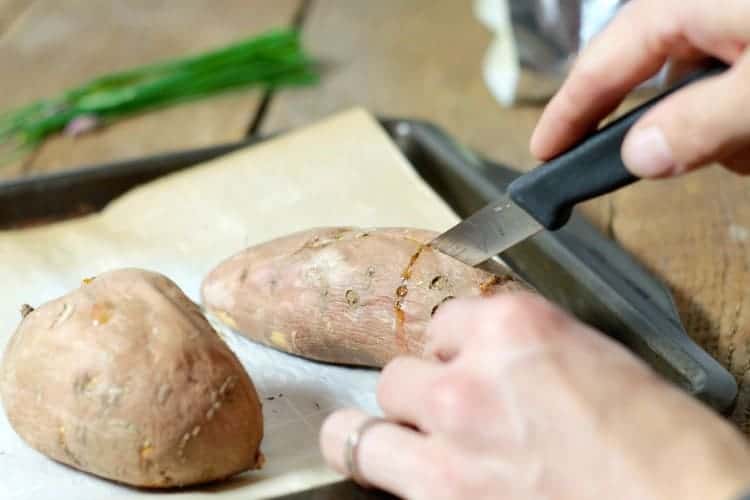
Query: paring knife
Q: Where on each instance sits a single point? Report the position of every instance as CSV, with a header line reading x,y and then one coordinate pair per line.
x,y
545,196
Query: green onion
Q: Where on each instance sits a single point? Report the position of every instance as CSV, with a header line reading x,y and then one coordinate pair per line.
x,y
272,60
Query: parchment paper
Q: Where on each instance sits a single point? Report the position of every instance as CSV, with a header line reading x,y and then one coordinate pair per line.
x,y
343,171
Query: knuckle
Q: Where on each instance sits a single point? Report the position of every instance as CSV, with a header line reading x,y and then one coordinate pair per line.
x,y
586,70
593,84
569,102
522,307
667,38
453,402
526,317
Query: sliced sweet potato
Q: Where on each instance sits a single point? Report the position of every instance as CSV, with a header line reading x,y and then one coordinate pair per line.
x,y
342,295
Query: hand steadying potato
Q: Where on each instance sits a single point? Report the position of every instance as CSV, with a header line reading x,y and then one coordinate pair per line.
x,y
124,378
343,295
517,400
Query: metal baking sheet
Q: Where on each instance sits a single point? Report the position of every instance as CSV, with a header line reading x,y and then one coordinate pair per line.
x,y
577,267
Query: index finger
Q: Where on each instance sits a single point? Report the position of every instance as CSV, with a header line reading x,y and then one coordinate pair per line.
x,y
630,50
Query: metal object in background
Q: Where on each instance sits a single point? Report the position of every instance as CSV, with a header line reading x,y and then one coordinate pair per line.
x,y
536,42
549,33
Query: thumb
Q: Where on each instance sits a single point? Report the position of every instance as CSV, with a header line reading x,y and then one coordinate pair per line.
x,y
703,123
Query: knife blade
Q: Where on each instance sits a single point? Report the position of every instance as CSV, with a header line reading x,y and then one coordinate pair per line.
x,y
544,197
494,228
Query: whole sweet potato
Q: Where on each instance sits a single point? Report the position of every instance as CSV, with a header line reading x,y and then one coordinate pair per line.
x,y
124,378
342,295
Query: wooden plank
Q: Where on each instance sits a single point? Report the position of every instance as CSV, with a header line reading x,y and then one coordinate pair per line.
x,y
695,233
56,45
423,59
10,12
419,59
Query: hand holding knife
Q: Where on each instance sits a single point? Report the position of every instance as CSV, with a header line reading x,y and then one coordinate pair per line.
x,y
544,197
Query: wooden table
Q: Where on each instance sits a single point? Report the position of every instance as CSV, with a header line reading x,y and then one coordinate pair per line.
x,y
410,59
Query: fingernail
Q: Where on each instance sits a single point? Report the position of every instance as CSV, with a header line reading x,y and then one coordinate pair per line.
x,y
646,153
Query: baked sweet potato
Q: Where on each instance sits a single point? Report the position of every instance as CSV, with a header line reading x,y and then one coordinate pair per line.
x,y
124,378
342,295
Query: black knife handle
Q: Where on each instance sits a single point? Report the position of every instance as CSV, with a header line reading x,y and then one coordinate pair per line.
x,y
592,168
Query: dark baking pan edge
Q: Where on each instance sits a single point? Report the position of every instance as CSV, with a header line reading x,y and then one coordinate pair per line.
x,y
61,195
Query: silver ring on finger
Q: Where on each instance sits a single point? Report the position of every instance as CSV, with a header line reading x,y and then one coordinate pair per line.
x,y
352,446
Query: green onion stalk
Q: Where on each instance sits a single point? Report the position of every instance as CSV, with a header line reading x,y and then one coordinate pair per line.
x,y
272,60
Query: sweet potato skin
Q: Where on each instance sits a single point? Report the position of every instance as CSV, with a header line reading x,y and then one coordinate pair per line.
x,y
342,295
124,378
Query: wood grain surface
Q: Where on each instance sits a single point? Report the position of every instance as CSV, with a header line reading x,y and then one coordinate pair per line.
x,y
54,45
10,12
694,232
417,59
